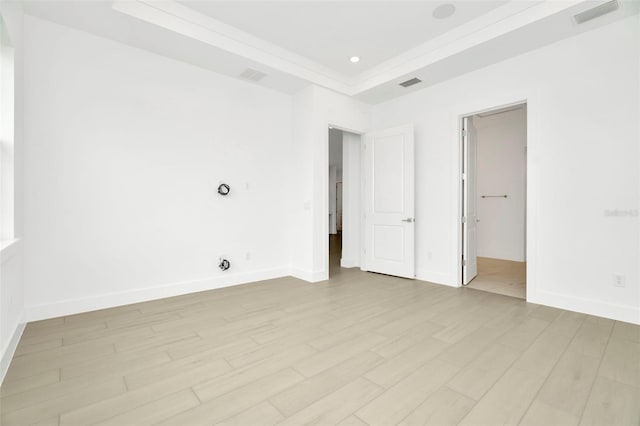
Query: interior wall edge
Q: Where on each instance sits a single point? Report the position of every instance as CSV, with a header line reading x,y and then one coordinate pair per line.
x,y
349,262
435,278
309,276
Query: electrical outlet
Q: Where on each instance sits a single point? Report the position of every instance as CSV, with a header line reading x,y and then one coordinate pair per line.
x,y
619,281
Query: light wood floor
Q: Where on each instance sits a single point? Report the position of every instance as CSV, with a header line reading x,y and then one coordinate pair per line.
x,y
359,349
501,276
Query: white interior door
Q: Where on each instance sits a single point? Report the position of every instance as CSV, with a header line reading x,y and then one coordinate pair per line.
x,y
469,202
388,195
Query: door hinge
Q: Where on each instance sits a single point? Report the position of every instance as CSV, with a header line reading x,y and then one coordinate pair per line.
x,y
464,262
464,219
464,133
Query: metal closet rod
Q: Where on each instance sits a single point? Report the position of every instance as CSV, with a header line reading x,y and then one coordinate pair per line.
x,y
494,196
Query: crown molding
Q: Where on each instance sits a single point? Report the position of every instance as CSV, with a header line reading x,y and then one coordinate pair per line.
x,y
183,20
176,17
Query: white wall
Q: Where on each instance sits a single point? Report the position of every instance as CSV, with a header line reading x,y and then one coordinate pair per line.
x,y
302,174
316,108
12,316
583,134
125,150
7,109
502,140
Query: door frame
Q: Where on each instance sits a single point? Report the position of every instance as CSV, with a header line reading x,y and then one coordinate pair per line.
x,y
464,155
474,107
325,198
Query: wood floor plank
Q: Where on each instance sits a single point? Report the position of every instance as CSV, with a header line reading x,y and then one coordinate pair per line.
x,y
24,349
399,344
153,411
307,392
55,389
395,369
28,383
54,405
353,421
400,400
263,414
543,354
117,363
624,330
63,356
237,378
612,403
507,401
121,403
210,367
567,387
621,361
234,402
481,374
591,339
443,408
524,334
337,406
326,359
542,414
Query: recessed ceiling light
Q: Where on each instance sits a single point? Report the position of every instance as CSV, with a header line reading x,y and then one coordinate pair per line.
x,y
354,59
444,11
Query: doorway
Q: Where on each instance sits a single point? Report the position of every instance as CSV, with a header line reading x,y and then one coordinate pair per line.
x,y
375,176
336,171
494,182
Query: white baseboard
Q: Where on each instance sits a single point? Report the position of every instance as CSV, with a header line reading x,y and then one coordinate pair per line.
x,y
435,277
110,300
598,308
309,276
346,262
10,350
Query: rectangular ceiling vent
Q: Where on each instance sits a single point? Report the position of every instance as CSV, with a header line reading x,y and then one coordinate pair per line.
x,y
594,12
410,82
252,75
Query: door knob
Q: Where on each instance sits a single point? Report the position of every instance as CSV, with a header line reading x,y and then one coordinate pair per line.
x,y
409,219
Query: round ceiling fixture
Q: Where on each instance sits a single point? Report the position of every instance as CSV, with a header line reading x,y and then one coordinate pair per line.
x,y
354,59
444,11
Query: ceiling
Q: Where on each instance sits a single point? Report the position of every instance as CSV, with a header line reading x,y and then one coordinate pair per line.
x,y
330,32
298,42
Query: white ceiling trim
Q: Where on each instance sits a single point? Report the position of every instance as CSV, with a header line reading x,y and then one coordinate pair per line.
x,y
188,22
497,22
181,19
